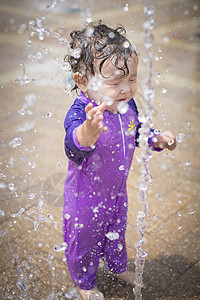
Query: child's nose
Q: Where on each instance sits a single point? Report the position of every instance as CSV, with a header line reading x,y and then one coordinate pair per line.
x,y
125,89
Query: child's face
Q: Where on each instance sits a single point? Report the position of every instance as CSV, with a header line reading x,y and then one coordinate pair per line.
x,y
113,87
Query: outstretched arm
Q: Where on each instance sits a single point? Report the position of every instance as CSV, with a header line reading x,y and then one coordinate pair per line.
x,y
88,132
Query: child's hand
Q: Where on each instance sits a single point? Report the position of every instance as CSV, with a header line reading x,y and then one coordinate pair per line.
x,y
94,116
88,133
165,139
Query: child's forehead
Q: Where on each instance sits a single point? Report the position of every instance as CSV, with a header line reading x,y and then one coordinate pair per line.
x,y
109,67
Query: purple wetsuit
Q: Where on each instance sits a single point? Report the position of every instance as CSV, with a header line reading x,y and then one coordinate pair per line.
x,y
95,194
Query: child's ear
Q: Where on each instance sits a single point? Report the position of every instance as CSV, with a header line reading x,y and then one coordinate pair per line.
x,y
81,81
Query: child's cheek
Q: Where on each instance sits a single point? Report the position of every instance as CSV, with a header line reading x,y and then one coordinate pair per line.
x,y
112,92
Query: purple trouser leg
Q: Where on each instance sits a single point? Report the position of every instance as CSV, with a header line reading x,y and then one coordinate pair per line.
x,y
94,228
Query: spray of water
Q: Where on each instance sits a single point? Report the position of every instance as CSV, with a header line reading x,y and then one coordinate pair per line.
x,y
145,133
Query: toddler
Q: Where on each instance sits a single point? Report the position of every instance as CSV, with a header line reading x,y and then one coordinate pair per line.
x,y
102,130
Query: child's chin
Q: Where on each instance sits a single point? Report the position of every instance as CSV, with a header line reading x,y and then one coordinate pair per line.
x,y
113,109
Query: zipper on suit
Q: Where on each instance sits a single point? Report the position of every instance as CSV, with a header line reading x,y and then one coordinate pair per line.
x,y
123,140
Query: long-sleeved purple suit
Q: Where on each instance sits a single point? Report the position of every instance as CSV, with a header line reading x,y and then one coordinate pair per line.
x,y
95,194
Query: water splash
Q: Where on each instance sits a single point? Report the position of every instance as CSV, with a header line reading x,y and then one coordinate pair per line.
x,y
180,137
112,236
18,213
122,107
37,28
16,142
145,133
24,79
22,282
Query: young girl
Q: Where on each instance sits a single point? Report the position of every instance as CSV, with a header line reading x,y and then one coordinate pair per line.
x,y
102,130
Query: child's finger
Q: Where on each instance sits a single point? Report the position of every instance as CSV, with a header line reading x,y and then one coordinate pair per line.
x,y
97,118
102,107
171,144
92,113
169,140
168,135
88,108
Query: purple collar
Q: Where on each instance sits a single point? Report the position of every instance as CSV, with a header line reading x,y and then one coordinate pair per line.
x,y
84,99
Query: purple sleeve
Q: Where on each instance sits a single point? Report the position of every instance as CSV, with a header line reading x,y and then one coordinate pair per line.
x,y
76,142
74,118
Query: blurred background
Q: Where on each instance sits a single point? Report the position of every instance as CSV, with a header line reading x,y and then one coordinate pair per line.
x,y
34,102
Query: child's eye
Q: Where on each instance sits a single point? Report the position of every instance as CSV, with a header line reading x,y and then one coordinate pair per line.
x,y
113,83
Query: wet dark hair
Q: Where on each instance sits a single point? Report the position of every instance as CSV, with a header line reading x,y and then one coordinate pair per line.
x,y
98,42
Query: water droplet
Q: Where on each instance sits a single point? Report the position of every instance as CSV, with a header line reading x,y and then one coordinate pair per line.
x,y
149,40
120,247
170,142
16,142
126,44
157,131
29,42
67,216
179,226
12,21
143,254
195,7
31,196
18,213
139,159
143,187
142,119
191,211
89,20
30,100
179,214
147,25
164,155
89,31
49,115
95,83
2,213
62,247
84,269
166,40
112,236
122,168
111,35
78,226
126,8
187,162
40,203
180,137
164,90
188,125
3,185
122,107
75,52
